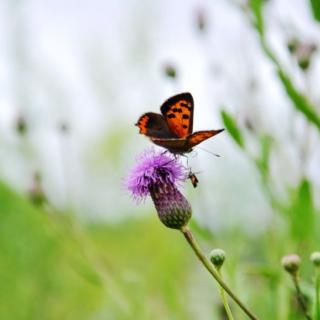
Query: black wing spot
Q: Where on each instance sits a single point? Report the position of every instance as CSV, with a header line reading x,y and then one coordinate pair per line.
x,y
183,104
171,115
185,126
179,110
185,116
175,109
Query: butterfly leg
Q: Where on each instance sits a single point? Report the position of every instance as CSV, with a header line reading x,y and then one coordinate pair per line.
x,y
164,152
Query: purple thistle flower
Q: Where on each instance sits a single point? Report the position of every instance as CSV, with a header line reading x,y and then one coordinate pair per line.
x,y
154,168
159,175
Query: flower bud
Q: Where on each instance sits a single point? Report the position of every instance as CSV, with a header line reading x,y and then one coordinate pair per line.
x,y
36,193
291,263
172,207
315,258
302,51
292,45
64,127
217,257
201,19
21,126
170,71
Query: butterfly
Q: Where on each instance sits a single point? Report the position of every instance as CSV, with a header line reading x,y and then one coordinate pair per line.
x,y
173,128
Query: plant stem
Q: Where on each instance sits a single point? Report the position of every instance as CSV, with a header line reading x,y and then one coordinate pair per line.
x,y
317,296
300,297
224,299
209,266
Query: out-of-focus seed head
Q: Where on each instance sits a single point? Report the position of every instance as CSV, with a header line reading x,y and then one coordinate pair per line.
x,y
170,71
64,127
303,51
36,193
21,125
291,263
201,20
292,45
315,258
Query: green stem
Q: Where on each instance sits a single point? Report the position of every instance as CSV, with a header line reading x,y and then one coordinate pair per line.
x,y
317,295
224,299
300,297
209,266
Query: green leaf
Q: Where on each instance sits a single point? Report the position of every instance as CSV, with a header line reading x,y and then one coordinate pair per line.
x,y
302,212
315,6
300,102
265,150
257,10
232,128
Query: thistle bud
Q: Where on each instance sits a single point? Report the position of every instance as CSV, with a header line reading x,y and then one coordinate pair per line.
x,y
64,127
291,263
315,258
292,45
201,19
21,126
170,71
36,193
302,51
217,257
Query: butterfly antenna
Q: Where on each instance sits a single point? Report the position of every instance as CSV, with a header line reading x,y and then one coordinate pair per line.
x,y
214,154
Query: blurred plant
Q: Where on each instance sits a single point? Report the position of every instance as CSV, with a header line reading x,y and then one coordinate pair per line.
x,y
36,193
315,6
201,20
291,263
170,70
64,127
315,259
303,52
159,175
21,125
299,200
297,207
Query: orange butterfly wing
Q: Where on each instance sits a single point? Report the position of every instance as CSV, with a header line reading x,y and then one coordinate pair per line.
x,y
200,136
174,145
183,145
154,125
178,113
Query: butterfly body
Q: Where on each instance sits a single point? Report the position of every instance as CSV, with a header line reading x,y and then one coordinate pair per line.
x,y
173,128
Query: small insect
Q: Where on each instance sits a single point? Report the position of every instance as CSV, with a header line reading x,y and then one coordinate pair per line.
x,y
193,178
173,129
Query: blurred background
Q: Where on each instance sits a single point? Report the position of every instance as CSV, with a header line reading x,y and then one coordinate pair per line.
x,y
74,78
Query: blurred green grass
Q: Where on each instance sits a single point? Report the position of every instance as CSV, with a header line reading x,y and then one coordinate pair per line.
x,y
53,267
